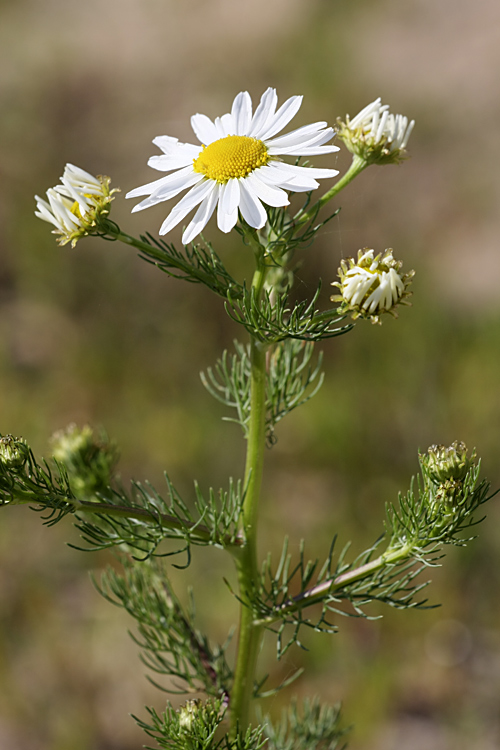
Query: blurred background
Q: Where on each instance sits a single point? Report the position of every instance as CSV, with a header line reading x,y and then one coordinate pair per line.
x,y
95,335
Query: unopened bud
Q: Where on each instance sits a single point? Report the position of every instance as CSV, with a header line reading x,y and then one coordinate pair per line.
x,y
452,463
78,207
375,135
372,285
13,452
188,713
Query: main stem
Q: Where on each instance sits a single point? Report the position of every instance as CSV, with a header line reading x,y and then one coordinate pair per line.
x,y
249,634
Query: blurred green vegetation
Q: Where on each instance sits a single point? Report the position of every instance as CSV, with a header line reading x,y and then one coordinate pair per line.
x,y
95,335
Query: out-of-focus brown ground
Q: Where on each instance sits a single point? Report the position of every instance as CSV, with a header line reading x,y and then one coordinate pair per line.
x,y
95,335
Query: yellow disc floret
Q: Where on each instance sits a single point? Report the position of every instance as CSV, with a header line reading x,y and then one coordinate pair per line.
x,y
231,157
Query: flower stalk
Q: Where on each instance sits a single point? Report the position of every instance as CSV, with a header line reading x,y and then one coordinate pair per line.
x,y
249,634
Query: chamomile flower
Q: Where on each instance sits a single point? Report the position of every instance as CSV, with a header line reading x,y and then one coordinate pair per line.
x,y
237,167
376,135
372,285
76,206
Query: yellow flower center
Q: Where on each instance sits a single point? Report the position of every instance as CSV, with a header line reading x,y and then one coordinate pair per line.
x,y
231,157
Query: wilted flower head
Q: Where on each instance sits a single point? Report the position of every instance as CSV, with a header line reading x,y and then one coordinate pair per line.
x,y
237,166
77,206
371,285
376,135
443,464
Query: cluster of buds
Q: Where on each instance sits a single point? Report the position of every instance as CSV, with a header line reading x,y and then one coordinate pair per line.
x,y
375,135
372,285
88,461
446,468
77,207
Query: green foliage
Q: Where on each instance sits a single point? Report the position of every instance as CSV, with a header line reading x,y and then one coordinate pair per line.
x,y
88,461
427,518
140,519
198,726
170,642
271,320
316,727
198,263
291,381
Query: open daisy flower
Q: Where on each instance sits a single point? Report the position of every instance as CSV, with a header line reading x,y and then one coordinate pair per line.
x,y
238,167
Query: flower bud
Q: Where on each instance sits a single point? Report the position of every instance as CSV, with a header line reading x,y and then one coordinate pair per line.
x,y
13,452
187,714
88,461
372,285
375,135
442,464
77,207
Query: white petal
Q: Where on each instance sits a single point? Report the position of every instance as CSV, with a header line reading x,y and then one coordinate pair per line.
x,y
202,216
219,127
165,163
251,208
71,171
228,125
264,112
285,113
169,190
185,205
273,196
299,135
227,212
167,143
407,134
365,113
204,129
315,140
195,196
242,113
147,189
156,185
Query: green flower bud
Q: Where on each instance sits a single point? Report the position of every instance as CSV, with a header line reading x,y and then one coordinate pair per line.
x,y
14,452
442,464
88,461
188,713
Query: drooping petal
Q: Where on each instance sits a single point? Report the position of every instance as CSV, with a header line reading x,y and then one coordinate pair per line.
x,y
195,196
202,216
251,208
170,187
229,198
271,195
167,162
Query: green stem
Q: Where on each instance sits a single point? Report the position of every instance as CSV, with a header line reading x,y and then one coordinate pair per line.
x,y
357,166
249,635
317,593
167,521
161,256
